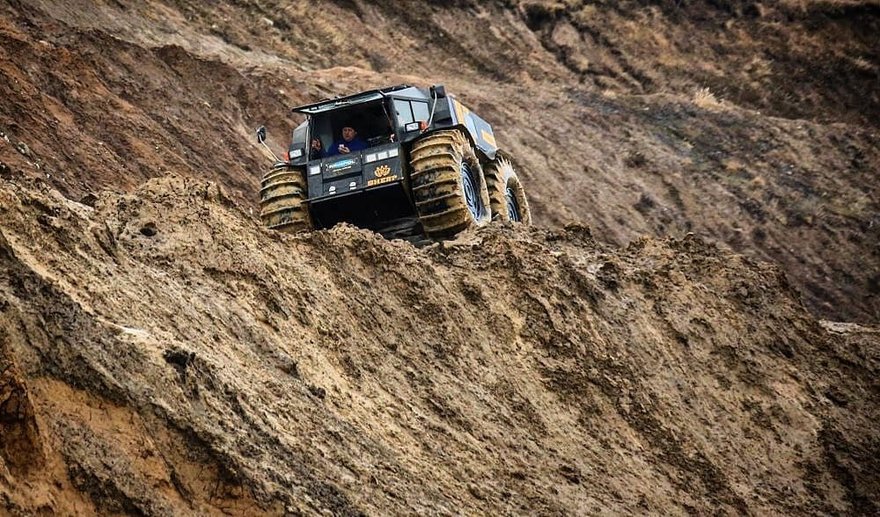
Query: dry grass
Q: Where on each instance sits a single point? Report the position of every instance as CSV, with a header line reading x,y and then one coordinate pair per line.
x,y
863,64
608,93
805,5
705,99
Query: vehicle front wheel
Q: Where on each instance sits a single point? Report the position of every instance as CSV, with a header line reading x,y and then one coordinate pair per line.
x,y
283,204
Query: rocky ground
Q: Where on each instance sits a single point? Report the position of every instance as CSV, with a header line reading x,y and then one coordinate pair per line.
x,y
689,328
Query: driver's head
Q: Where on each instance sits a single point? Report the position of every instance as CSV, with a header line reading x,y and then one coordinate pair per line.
x,y
348,133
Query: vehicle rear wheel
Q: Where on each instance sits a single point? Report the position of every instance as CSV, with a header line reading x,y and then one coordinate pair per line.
x,y
448,184
506,193
283,204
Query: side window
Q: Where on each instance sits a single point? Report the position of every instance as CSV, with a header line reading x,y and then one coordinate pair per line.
x,y
321,129
404,113
420,111
299,134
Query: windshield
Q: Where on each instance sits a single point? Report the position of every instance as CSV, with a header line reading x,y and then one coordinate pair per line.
x,y
369,123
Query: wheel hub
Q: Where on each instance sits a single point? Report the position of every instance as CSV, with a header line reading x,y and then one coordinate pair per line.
x,y
512,205
471,193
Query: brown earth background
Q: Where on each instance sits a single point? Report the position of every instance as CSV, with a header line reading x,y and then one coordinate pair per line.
x,y
690,327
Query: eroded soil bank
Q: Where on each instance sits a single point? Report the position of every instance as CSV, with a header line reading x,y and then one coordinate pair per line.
x,y
690,327
162,353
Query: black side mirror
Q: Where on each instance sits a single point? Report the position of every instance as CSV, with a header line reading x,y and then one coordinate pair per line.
x,y
261,134
439,91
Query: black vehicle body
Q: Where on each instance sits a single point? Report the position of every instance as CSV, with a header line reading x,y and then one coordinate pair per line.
x,y
371,188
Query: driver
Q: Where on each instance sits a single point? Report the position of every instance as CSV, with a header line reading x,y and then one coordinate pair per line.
x,y
350,142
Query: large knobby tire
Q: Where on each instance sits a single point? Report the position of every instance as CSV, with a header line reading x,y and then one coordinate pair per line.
x,y
506,193
448,184
283,197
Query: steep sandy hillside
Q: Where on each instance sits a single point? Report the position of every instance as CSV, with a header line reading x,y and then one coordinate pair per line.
x,y
804,59
690,328
162,354
635,120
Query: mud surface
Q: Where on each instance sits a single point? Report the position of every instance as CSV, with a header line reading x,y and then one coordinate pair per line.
x,y
176,357
750,125
690,327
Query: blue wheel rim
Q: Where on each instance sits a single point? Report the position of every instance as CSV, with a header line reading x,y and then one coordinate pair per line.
x,y
512,205
471,196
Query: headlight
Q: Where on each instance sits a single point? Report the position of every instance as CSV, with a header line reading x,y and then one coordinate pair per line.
x,y
370,158
314,169
296,153
393,152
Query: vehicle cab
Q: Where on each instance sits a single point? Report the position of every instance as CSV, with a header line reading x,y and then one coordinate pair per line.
x,y
384,120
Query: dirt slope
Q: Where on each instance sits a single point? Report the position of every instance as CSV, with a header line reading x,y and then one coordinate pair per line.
x,y
165,355
162,354
633,119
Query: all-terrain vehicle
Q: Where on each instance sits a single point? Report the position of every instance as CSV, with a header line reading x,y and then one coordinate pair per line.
x,y
430,167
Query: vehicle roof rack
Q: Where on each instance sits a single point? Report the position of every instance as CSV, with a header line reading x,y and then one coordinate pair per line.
x,y
357,98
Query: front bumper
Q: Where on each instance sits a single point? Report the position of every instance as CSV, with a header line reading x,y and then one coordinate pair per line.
x,y
352,173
